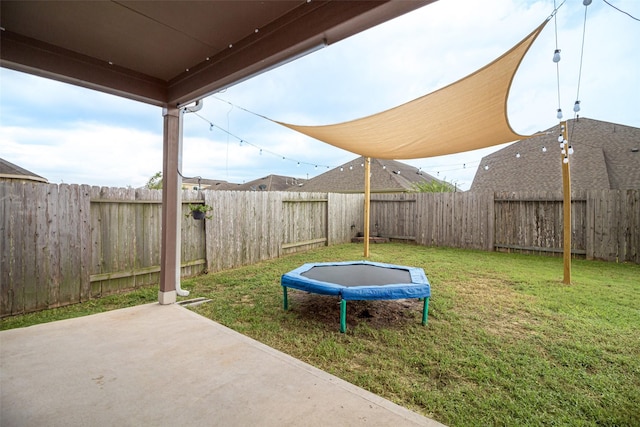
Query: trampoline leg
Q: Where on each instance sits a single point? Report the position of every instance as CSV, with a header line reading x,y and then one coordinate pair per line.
x,y
425,311
343,315
285,300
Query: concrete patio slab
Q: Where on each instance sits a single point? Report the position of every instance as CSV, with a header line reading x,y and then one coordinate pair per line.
x,y
154,365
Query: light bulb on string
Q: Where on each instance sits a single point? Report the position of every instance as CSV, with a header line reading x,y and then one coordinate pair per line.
x,y
341,169
560,138
298,164
586,2
486,167
563,152
261,151
576,106
544,149
565,160
350,167
556,56
570,149
559,115
517,155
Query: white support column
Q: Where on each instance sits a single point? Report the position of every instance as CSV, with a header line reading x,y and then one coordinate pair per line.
x,y
170,198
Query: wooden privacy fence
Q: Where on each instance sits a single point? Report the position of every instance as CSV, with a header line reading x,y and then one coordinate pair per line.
x,y
605,224
62,244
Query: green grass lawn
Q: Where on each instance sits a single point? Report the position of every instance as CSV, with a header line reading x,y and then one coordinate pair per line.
x,y
506,344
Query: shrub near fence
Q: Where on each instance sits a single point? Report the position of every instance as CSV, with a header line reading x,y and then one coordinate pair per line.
x,y
62,244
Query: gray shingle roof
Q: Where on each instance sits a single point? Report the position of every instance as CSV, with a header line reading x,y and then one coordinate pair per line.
x,y
269,183
9,170
604,158
387,176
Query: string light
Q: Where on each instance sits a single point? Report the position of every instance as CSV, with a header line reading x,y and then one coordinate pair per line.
x,y
556,56
576,107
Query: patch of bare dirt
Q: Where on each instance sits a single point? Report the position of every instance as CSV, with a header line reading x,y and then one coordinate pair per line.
x,y
377,314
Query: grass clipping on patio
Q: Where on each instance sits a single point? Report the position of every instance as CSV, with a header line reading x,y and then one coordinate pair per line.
x,y
506,344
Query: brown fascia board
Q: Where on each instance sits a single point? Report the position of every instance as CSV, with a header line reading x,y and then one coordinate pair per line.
x,y
35,57
307,27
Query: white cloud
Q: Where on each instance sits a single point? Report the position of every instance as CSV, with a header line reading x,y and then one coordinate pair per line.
x,y
77,135
85,154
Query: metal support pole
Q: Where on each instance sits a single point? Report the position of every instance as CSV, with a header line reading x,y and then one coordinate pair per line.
x,y
425,311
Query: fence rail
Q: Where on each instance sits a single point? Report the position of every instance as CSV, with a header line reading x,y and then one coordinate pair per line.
x,y
63,244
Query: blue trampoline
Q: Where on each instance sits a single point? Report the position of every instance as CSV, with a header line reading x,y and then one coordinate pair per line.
x,y
359,280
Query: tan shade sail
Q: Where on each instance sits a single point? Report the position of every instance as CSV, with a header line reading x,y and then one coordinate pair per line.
x,y
466,115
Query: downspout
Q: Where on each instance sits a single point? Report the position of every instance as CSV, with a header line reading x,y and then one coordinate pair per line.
x,y
183,110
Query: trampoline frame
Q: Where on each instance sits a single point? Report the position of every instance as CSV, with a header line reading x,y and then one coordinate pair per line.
x,y
419,287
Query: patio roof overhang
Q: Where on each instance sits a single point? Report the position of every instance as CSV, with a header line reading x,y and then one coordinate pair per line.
x,y
174,52
171,54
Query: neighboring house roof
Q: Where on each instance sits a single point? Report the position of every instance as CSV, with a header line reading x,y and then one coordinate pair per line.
x,y
10,171
205,184
387,176
269,183
606,156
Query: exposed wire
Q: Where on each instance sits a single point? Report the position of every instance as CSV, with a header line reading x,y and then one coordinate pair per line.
x,y
262,150
584,32
620,10
226,165
555,24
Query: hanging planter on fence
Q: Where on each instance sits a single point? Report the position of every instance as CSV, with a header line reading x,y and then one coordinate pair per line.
x,y
199,211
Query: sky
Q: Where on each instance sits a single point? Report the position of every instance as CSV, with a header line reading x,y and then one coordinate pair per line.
x,y
74,135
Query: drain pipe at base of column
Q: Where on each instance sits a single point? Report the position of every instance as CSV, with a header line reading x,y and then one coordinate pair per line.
x,y
184,110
